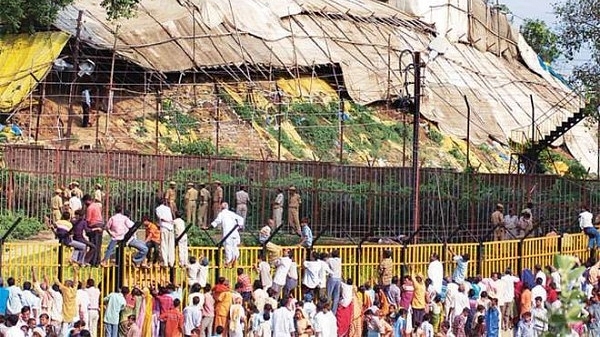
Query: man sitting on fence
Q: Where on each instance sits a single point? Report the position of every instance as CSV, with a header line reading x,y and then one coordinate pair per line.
x,y
230,223
586,225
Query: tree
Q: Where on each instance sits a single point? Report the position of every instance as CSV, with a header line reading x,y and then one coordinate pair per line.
x,y
19,16
539,36
578,29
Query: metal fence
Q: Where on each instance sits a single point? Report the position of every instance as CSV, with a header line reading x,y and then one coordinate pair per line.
x,y
341,201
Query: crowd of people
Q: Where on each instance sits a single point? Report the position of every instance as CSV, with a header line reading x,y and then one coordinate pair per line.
x,y
414,304
411,304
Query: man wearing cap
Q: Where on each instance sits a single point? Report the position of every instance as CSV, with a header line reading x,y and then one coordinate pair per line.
x,y
56,204
171,196
189,200
98,193
203,206
217,198
75,188
278,207
294,210
498,225
242,199
228,221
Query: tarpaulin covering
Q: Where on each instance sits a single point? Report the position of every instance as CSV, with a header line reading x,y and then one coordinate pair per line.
x,y
25,60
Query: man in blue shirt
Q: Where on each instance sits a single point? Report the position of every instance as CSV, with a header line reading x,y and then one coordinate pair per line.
x,y
3,297
306,232
462,265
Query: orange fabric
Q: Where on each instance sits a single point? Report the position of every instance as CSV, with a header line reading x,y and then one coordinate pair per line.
x,y
173,323
525,301
152,232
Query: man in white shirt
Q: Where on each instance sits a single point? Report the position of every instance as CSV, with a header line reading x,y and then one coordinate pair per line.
x,y
93,307
56,316
14,329
312,269
324,322
28,298
228,221
334,282
282,267
587,226
508,297
283,321
435,272
167,235
192,316
13,304
182,245
82,303
75,202
264,272
538,291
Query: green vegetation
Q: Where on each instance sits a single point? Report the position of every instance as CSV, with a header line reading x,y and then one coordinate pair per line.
x,y
572,298
174,118
456,153
435,136
543,41
287,142
576,170
317,125
26,228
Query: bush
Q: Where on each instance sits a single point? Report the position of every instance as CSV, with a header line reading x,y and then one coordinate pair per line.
x,y
435,136
26,228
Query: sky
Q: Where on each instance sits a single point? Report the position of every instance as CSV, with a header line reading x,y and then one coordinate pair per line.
x,y
543,10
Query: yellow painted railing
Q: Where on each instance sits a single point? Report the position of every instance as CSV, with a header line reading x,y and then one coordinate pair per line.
x,y
359,263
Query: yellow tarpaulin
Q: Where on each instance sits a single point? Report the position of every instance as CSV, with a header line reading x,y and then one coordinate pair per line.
x,y
23,59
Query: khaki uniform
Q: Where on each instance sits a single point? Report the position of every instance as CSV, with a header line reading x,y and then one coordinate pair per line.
x,y
78,192
56,204
190,198
497,218
294,212
203,207
241,203
217,199
171,196
278,209
98,195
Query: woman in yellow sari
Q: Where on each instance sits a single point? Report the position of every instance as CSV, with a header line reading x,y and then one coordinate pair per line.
x,y
356,326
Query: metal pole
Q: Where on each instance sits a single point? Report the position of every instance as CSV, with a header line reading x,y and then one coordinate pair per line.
x,y
416,120
468,132
341,118
218,119
532,120
278,123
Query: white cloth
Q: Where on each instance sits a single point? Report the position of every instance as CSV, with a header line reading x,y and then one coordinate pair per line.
x,y
13,304
585,219
335,264
282,265
14,331
82,303
324,324
283,322
542,275
508,295
346,295
182,246
56,308
200,298
311,277
556,279
435,272
538,291
28,298
192,273
228,220
192,315
264,271
75,203
165,217
323,273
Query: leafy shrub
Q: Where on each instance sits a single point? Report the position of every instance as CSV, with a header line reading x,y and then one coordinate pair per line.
x,y
435,136
203,147
26,228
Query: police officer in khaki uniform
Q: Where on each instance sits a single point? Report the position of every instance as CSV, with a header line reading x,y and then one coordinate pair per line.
x,y
98,194
56,204
74,186
278,208
294,210
217,198
203,206
171,196
190,199
242,199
